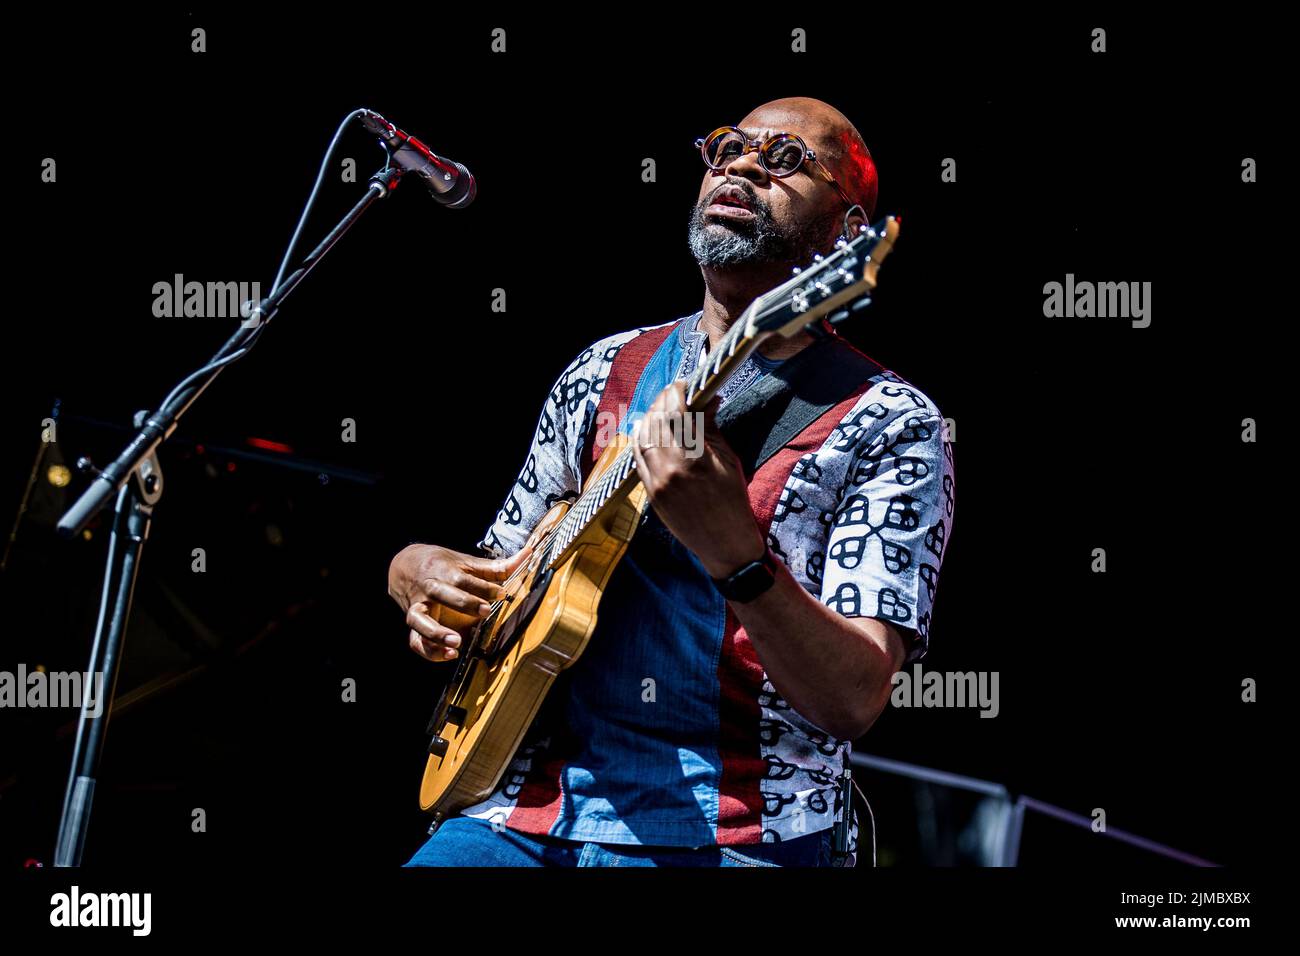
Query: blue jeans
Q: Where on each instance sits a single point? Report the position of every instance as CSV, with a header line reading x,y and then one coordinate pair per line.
x,y
470,841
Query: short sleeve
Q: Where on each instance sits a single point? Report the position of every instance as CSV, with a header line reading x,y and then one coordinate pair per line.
x,y
892,522
552,467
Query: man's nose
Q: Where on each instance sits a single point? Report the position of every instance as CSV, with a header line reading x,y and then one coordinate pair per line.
x,y
747,165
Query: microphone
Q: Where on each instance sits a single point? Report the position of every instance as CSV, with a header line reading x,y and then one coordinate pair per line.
x,y
450,183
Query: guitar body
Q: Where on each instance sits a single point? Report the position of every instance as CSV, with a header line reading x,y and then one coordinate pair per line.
x,y
510,663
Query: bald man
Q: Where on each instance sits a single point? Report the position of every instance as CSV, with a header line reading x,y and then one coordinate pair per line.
x,y
750,633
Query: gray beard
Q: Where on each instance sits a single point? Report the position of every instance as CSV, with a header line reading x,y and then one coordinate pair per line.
x,y
715,243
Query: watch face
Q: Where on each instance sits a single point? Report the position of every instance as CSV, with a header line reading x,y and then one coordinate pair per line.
x,y
750,581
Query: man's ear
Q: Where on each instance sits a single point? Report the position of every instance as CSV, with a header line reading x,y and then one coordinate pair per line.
x,y
854,217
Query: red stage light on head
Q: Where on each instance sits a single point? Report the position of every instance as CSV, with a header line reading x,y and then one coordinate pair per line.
x,y
230,466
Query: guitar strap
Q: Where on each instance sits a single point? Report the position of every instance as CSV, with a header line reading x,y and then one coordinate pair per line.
x,y
768,414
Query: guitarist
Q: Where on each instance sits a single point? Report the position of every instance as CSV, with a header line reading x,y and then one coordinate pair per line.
x,y
750,633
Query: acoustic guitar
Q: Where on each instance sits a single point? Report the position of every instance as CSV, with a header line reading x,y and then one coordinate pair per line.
x,y
542,623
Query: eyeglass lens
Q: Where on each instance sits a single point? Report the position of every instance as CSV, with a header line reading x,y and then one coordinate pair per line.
x,y
781,155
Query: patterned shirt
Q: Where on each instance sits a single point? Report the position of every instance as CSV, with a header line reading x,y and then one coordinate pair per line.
x,y
667,731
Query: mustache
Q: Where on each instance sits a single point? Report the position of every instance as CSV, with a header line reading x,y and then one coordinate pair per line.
x,y
757,205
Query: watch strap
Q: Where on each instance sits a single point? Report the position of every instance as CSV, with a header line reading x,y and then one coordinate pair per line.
x,y
748,581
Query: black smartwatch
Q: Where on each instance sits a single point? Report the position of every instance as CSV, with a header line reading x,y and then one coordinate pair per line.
x,y
749,581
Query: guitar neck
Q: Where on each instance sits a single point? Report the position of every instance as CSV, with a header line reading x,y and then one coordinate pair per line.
x,y
732,350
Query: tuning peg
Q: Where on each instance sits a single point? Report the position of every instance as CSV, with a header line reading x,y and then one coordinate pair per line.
x,y
86,466
841,243
861,304
864,228
796,271
817,257
839,316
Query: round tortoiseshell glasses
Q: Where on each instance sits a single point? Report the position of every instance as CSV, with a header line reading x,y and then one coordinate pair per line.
x,y
781,155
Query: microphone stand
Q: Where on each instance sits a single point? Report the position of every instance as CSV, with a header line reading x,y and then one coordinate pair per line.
x,y
136,478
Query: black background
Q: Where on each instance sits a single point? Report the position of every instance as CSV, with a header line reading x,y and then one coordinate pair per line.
x,y
1118,690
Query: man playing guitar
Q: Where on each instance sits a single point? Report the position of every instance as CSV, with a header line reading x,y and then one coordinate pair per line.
x,y
751,632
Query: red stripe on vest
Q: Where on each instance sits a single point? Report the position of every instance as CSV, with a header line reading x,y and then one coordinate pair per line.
x,y
620,385
540,799
740,672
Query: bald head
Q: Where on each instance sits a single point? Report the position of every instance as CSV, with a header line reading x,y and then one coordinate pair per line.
x,y
828,132
749,218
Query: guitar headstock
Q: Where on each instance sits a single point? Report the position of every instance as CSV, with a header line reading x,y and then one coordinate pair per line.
x,y
835,285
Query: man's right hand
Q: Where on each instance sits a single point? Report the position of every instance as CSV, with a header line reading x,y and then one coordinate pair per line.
x,y
445,593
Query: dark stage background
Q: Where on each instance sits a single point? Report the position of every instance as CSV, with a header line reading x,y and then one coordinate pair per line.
x,y
1118,690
